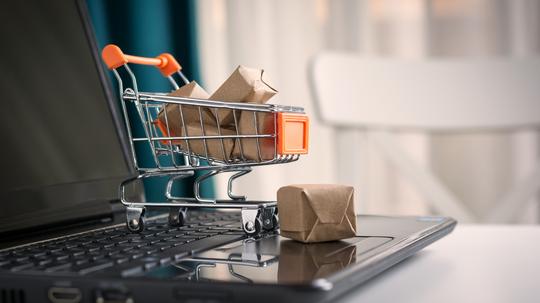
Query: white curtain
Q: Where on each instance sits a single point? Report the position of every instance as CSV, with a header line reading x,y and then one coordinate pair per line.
x,y
281,36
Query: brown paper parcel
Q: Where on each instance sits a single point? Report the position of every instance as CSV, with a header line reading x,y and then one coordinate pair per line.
x,y
243,85
306,262
172,117
316,212
247,147
213,146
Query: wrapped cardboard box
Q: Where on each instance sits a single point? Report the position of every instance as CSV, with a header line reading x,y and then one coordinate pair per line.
x,y
172,116
213,146
316,212
243,85
248,125
306,262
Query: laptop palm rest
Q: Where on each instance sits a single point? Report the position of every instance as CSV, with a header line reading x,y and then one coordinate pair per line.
x,y
271,259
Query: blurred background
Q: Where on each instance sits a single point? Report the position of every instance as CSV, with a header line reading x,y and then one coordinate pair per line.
x,y
212,37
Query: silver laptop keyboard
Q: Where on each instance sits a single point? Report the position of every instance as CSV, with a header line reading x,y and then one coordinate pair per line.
x,y
116,251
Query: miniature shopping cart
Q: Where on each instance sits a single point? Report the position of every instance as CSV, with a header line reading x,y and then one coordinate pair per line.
x,y
173,154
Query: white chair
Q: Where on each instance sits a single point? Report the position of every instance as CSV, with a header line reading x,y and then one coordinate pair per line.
x,y
382,95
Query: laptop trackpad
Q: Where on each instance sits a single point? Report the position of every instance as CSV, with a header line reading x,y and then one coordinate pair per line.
x,y
272,259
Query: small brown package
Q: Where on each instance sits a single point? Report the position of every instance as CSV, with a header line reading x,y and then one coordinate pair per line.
x,y
305,262
316,212
247,147
213,146
243,85
172,116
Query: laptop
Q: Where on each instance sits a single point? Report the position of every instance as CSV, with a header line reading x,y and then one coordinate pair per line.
x,y
63,237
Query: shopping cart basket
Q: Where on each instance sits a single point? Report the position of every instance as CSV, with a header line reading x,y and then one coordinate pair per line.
x,y
288,138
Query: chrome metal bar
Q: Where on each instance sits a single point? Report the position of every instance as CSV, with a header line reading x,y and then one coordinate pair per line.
x,y
151,142
203,133
127,121
225,205
183,77
275,134
138,107
257,134
173,82
204,137
230,182
184,127
153,97
218,165
238,140
225,158
169,142
170,183
197,185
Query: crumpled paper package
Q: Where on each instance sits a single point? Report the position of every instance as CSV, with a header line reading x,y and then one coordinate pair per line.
x,y
306,262
243,85
246,148
171,115
316,212
213,146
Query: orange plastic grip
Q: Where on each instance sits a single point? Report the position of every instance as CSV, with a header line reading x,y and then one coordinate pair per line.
x,y
114,58
293,134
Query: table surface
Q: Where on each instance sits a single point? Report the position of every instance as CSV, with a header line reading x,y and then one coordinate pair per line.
x,y
475,263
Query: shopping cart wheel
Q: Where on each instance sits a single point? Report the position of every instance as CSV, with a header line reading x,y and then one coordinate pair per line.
x,y
275,222
270,220
177,216
135,219
252,222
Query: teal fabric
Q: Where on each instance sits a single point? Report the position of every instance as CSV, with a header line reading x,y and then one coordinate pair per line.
x,y
149,28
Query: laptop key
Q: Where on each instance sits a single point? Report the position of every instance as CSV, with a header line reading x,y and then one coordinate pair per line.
x,y
121,260
44,262
5,262
163,248
81,262
55,250
98,257
39,254
137,255
177,243
131,270
63,257
77,252
22,259
141,265
94,266
216,223
137,240
58,266
92,248
150,265
151,251
20,267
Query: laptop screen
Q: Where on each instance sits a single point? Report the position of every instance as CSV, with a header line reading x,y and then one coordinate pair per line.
x,y
60,150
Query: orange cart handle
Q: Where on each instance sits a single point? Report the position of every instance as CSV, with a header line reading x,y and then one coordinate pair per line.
x,y
114,58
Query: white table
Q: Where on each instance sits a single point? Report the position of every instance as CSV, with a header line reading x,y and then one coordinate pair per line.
x,y
473,264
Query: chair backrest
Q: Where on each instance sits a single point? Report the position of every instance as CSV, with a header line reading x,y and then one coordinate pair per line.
x,y
432,94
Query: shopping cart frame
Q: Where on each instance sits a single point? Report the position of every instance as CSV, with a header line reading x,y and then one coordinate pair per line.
x,y
257,216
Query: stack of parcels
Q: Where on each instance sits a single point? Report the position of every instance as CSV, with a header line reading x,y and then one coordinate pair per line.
x,y
244,85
